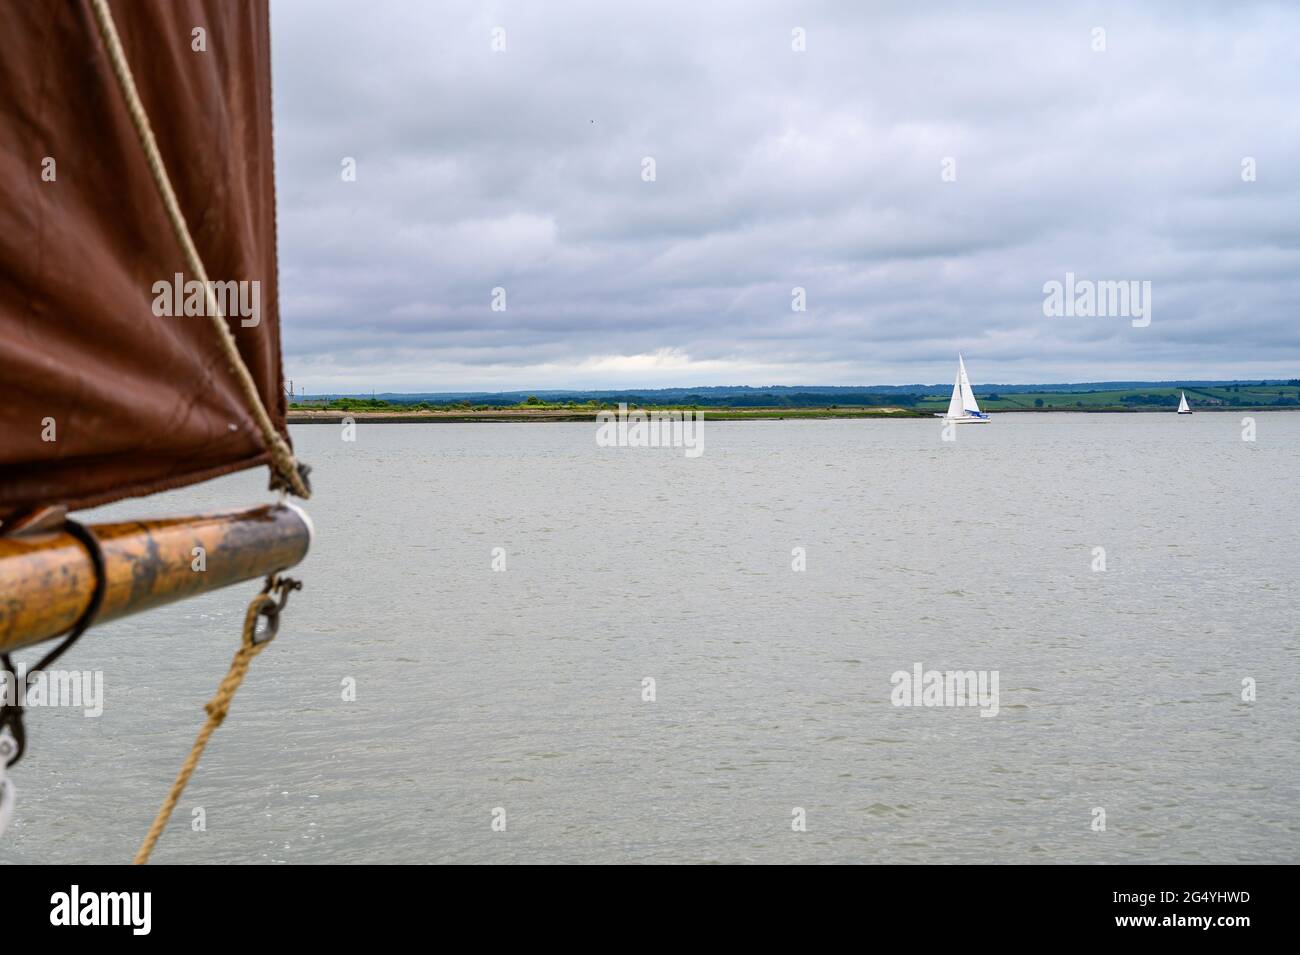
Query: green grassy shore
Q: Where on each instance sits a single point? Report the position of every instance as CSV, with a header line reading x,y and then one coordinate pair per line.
x,y
1236,397
1270,397
333,415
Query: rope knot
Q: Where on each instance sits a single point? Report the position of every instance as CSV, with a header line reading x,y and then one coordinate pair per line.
x,y
251,644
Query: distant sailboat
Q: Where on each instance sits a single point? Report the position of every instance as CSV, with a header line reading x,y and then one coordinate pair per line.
x,y
963,407
1182,404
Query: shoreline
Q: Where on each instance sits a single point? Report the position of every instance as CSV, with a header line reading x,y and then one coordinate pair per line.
x,y
333,416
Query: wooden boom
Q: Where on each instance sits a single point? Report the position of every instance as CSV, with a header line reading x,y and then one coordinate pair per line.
x,y
47,578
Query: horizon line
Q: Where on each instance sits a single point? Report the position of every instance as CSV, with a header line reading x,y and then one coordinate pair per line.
x,y
1166,382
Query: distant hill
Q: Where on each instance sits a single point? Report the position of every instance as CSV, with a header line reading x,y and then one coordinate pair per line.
x,y
1088,396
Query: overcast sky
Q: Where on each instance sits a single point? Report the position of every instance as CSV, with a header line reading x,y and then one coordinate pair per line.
x,y
775,168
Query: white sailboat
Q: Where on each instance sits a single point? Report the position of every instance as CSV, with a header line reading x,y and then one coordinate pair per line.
x,y
1182,404
963,407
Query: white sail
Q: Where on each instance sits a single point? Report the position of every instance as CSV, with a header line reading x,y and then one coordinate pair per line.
x,y
955,408
967,396
963,406
1182,404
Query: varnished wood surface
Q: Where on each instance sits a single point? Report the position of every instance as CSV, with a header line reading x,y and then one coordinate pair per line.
x,y
46,579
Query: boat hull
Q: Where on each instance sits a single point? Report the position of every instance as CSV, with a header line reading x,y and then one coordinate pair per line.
x,y
966,419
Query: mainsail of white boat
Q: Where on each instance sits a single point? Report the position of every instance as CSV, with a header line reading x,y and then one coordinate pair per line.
x,y
963,406
1182,404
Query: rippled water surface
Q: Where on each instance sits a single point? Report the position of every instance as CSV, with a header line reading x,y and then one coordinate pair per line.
x,y
522,689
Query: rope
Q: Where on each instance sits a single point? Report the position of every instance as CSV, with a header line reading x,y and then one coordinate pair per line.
x,y
282,457
261,606
12,716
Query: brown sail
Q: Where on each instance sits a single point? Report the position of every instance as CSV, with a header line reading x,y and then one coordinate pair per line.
x,y
103,395
139,330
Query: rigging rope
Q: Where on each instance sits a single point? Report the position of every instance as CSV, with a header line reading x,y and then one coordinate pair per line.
x,y
11,715
289,472
250,646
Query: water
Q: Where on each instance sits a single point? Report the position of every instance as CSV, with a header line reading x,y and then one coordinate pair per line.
x,y
522,689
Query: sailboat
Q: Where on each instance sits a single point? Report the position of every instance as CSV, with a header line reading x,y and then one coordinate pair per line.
x,y
128,163
962,407
1183,407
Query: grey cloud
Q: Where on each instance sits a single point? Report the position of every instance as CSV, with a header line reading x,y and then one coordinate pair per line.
x,y
779,169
